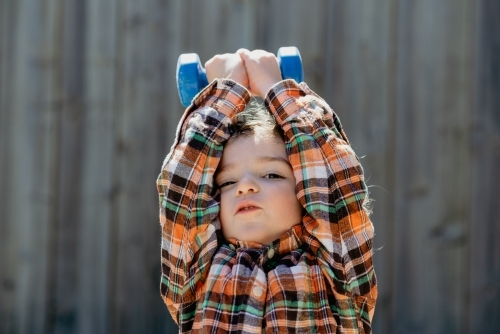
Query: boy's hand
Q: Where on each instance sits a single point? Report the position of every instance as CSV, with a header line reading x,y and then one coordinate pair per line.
x,y
228,66
262,69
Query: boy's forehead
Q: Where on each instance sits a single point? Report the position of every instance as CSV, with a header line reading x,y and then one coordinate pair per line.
x,y
257,136
254,144
253,149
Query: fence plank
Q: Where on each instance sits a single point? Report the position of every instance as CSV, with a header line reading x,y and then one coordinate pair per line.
x,y
64,302
432,153
96,177
360,69
8,36
210,32
276,28
32,164
484,294
141,102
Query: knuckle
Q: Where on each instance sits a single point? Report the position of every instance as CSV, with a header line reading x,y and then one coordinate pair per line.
x,y
208,64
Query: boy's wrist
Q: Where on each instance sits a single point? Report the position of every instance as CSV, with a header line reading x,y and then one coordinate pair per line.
x,y
280,88
264,88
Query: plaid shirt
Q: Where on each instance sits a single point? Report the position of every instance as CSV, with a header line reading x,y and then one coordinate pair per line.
x,y
318,277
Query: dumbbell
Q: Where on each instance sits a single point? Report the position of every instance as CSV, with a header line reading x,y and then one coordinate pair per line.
x,y
192,77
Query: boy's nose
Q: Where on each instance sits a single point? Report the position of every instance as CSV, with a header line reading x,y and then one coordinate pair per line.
x,y
247,185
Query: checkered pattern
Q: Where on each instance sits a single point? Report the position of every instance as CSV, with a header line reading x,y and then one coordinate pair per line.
x,y
318,277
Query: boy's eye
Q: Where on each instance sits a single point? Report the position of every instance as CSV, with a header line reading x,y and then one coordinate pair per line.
x,y
226,184
272,176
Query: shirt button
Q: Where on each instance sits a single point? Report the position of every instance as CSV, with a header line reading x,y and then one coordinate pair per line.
x,y
270,253
257,291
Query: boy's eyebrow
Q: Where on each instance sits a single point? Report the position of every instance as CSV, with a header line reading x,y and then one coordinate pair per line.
x,y
268,158
262,158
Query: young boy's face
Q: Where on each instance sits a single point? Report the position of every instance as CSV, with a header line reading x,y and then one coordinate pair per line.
x,y
258,200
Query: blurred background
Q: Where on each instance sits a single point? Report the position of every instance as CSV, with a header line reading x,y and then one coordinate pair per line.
x,y
88,110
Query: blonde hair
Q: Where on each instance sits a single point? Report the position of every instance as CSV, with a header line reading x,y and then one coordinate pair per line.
x,y
255,120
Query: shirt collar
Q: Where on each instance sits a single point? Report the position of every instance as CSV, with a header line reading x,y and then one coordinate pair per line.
x,y
288,242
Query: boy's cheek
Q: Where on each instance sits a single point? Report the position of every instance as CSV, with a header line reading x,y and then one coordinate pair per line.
x,y
224,210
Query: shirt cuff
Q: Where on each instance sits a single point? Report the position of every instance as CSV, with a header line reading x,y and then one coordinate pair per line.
x,y
285,98
224,95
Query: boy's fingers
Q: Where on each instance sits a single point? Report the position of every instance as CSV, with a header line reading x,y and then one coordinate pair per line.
x,y
243,51
228,65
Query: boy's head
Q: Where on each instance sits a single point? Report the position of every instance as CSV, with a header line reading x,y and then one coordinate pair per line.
x,y
256,181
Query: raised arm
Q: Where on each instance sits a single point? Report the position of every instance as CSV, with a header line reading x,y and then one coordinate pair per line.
x,y
331,186
189,208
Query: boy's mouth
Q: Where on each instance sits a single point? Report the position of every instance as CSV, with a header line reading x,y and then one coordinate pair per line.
x,y
246,206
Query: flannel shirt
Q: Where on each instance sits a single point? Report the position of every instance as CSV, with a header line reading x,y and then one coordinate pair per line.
x,y
318,277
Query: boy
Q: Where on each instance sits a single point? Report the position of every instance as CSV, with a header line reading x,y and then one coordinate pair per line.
x,y
264,226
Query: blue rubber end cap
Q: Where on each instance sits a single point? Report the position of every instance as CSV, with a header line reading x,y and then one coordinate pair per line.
x,y
290,63
190,76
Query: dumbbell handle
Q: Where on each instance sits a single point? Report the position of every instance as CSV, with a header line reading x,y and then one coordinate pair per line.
x,y
192,77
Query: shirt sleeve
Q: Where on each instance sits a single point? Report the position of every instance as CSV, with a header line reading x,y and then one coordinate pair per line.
x,y
331,187
189,208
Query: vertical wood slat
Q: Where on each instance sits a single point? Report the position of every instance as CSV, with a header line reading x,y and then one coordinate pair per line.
x,y
360,66
23,105
484,286
8,35
453,102
304,33
401,271
54,59
134,20
137,164
432,235
31,162
42,110
210,32
64,302
97,182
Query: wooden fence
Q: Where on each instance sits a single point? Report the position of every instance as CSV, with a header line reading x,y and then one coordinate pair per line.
x,y
88,109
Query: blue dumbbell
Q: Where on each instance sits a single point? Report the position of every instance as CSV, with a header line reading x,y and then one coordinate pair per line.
x,y
192,77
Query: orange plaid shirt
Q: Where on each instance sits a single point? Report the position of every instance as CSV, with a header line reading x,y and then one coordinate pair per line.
x,y
318,277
